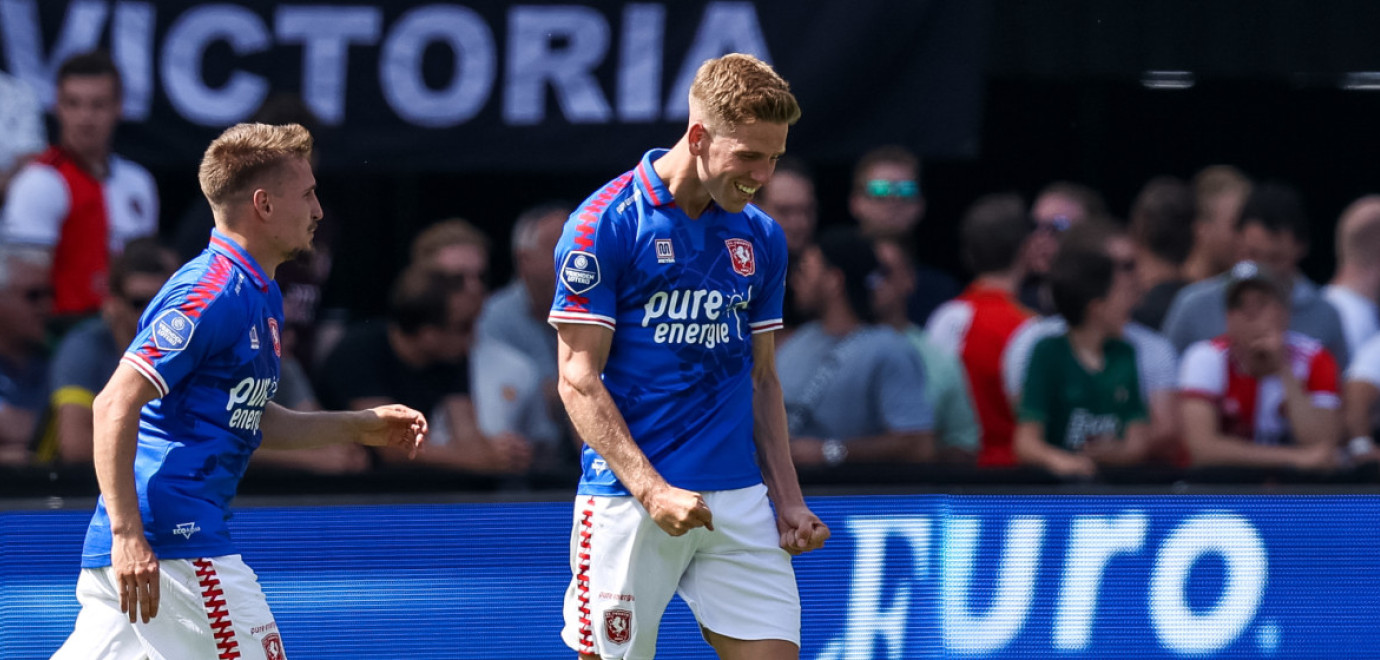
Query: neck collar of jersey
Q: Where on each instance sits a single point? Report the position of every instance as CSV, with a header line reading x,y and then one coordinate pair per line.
x,y
648,183
227,247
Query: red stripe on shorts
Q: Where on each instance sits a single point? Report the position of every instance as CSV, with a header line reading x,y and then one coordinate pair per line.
x,y
582,578
214,599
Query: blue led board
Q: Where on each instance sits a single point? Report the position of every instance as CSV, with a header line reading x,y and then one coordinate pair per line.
x,y
904,577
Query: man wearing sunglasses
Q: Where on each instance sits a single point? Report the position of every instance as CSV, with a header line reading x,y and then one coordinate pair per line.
x,y
888,204
25,302
89,354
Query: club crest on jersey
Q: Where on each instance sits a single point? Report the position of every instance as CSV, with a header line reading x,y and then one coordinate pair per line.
x,y
273,647
740,251
618,625
254,337
580,272
665,254
172,330
273,332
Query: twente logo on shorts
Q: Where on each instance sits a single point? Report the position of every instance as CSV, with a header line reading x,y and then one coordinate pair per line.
x,y
273,331
580,272
740,251
618,625
273,647
172,330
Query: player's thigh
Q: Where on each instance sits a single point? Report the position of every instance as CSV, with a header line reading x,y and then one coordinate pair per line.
x,y
212,607
102,631
625,571
729,648
741,585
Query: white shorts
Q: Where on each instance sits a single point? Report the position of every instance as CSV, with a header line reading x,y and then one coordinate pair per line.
x,y
736,579
207,608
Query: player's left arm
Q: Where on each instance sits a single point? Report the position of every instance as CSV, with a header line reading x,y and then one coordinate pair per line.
x,y
390,425
801,530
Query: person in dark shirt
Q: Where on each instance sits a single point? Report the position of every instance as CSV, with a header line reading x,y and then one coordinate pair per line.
x,y
1162,226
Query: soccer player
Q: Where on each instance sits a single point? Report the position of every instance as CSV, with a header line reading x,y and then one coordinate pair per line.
x,y
669,288
189,403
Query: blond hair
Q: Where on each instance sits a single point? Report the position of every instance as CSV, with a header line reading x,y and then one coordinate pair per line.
x,y
741,89
443,234
244,153
1358,233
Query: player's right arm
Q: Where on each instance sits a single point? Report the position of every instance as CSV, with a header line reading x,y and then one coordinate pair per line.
x,y
116,425
583,350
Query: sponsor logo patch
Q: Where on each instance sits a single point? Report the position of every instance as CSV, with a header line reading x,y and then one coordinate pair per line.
x,y
172,330
580,272
618,625
254,337
665,254
186,530
740,251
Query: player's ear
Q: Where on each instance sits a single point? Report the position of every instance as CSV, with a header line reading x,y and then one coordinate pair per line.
x,y
262,203
698,139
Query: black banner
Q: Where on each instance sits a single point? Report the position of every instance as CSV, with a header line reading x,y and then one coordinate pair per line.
x,y
410,86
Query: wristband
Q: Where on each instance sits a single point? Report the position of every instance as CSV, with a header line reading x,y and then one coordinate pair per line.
x,y
834,451
1360,444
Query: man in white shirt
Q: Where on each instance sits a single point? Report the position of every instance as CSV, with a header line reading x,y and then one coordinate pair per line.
x,y
1354,288
22,134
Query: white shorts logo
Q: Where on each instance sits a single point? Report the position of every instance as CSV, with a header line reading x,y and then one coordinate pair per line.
x,y
580,273
172,330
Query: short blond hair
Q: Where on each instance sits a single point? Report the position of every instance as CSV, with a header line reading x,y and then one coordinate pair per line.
x,y
741,89
443,234
244,153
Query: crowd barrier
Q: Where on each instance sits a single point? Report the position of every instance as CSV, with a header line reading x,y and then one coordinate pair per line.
x,y
904,576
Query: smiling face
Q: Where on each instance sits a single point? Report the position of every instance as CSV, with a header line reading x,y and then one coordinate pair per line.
x,y
734,162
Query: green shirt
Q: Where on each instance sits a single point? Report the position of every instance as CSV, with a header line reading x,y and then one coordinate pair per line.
x,y
946,387
1075,405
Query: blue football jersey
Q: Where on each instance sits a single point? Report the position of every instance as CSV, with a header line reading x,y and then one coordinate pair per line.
x,y
209,342
683,297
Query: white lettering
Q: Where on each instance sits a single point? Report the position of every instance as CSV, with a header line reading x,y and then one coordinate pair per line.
x,y
131,37
400,65
639,70
681,299
727,27
868,619
1093,541
695,306
81,31
532,62
662,329
240,394
326,34
655,307
1236,541
180,66
692,331
713,305
966,631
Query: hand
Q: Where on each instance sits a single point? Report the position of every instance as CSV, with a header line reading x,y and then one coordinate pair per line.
x,y
511,452
393,425
1316,458
678,511
1069,466
801,530
136,575
807,452
1103,449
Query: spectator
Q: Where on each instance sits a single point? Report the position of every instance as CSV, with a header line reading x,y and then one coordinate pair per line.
x,y
1156,359
78,201
977,325
1219,192
513,333
946,385
854,389
22,135
1081,407
460,251
90,352
1273,232
789,198
1259,395
1060,206
1356,284
25,300
887,202
1360,395
417,358
1161,225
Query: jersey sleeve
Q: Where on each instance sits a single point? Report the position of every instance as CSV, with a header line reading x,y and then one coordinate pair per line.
x,y
948,325
589,262
1365,365
1156,362
1322,384
1203,371
766,315
184,330
35,206
1039,389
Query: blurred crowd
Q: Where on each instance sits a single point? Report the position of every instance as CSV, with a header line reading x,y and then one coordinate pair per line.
x,y
1180,334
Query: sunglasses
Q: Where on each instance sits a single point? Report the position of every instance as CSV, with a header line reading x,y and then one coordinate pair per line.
x,y
1056,225
138,304
1126,265
37,295
884,189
